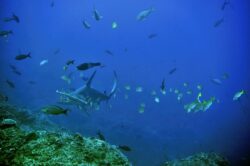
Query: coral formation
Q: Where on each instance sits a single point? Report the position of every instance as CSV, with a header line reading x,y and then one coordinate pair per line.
x,y
40,147
200,159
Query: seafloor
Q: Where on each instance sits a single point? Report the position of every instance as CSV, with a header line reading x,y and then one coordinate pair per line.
x,y
26,139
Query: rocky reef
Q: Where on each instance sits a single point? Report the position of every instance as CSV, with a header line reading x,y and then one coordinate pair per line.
x,y
200,159
41,147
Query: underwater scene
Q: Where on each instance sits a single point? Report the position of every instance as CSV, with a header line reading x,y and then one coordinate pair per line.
x,y
122,83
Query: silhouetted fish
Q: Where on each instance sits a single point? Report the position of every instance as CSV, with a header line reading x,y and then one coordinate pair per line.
x,y
5,33
109,52
86,66
218,22
22,56
12,18
172,71
124,148
11,84
225,4
153,35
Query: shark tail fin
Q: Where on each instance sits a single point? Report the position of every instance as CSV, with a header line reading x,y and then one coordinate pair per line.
x,y
88,84
114,88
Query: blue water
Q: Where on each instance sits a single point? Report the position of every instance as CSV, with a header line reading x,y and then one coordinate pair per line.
x,y
186,40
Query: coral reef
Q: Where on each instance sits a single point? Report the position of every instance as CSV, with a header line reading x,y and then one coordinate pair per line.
x,y
41,147
200,159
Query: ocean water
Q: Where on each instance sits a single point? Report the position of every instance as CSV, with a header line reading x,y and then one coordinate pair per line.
x,y
186,39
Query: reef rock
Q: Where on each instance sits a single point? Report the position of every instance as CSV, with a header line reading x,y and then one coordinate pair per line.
x,y
200,159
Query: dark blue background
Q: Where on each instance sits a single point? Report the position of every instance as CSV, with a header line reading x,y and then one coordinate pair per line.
x,y
187,40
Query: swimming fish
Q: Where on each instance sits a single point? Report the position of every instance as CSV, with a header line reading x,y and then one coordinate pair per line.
x,y
139,89
157,99
109,52
57,51
238,95
127,87
143,15
218,22
86,66
10,83
172,71
54,110
97,16
163,87
14,70
142,108
124,148
114,25
153,35
225,4
199,87
22,56
43,62
5,33
86,24
216,81
12,18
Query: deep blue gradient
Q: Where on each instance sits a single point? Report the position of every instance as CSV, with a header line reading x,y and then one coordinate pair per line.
x,y
187,40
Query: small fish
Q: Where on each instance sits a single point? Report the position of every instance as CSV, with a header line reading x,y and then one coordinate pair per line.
x,y
176,91
225,4
109,52
170,90
52,4
97,16
14,70
142,108
189,92
185,84
11,84
66,78
127,87
100,135
225,76
216,81
32,82
43,62
54,110
151,36
218,22
5,33
57,51
238,95
114,25
86,24
70,62
153,93
124,148
199,87
86,66
163,87
157,99
17,72
143,15
180,96
172,71
139,89
22,56
12,18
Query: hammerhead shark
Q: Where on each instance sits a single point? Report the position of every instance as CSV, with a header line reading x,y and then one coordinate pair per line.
x,y
86,97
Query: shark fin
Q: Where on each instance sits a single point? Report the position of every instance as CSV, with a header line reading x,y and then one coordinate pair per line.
x,y
114,88
88,84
